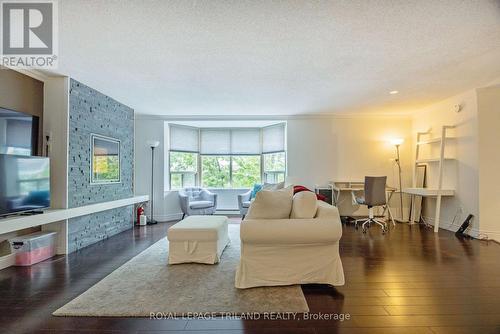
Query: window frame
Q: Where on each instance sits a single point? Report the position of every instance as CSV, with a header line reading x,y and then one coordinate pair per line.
x,y
199,166
201,169
284,171
182,172
231,156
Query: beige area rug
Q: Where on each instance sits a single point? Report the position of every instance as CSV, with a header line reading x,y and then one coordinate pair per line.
x,y
147,284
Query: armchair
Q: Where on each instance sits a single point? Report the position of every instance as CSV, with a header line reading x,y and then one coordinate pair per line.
x,y
244,203
197,201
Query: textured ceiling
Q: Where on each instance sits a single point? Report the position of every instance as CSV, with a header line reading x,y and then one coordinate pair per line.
x,y
279,57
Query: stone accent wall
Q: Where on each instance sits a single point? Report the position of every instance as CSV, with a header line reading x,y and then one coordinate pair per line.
x,y
91,112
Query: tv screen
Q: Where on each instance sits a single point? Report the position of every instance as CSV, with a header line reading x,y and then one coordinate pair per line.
x,y
24,183
18,133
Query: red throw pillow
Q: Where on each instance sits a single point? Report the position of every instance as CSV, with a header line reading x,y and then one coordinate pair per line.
x,y
321,197
298,189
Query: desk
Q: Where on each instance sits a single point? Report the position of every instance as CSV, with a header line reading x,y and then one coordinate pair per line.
x,y
355,186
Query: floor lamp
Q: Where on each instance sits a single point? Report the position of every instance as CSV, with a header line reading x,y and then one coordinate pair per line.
x,y
397,142
153,144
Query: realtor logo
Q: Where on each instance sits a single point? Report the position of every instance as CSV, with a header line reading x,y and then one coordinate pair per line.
x,y
29,34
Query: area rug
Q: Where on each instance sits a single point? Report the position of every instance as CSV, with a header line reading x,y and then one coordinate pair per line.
x,y
147,284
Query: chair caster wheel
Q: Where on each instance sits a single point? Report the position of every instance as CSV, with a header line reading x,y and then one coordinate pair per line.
x,y
364,230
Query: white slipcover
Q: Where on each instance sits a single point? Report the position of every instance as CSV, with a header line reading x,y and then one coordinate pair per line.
x,y
291,251
273,204
199,239
304,205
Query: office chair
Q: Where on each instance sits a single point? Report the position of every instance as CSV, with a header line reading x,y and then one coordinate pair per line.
x,y
374,195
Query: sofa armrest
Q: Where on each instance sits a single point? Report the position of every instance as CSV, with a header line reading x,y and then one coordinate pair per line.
x,y
327,211
290,231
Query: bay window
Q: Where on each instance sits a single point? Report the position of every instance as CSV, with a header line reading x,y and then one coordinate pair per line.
x,y
183,157
273,153
246,171
274,167
215,171
224,158
183,169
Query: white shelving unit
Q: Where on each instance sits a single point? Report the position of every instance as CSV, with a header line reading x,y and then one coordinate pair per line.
x,y
57,220
435,192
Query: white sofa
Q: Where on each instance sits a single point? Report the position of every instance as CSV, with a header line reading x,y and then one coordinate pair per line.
x,y
291,251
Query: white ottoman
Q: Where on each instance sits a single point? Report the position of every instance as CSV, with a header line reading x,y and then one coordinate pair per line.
x,y
199,239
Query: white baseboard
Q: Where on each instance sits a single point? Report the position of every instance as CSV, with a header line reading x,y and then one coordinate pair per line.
x,y
446,225
490,235
168,218
473,231
227,212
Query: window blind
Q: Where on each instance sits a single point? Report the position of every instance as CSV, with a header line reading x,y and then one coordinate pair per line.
x,y
273,138
245,141
226,141
215,141
184,138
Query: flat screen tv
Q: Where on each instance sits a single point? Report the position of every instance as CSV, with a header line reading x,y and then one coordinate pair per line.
x,y
24,183
18,133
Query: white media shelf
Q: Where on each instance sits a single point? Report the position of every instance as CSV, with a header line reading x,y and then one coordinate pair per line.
x,y
57,220
11,224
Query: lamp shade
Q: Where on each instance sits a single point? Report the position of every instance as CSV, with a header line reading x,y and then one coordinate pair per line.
x,y
153,143
397,141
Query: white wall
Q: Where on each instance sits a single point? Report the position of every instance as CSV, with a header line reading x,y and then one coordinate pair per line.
x,y
166,202
320,149
489,160
462,174
56,125
344,148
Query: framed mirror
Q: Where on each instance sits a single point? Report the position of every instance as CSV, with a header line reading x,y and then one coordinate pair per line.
x,y
105,160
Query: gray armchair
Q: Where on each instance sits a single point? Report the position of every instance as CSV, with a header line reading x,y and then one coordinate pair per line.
x,y
244,203
197,201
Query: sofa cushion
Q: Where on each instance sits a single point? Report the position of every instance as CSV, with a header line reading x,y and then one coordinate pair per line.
x,y
273,186
200,204
275,204
304,205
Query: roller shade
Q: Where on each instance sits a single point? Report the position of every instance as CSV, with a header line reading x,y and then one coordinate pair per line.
x,y
227,141
273,138
184,138
215,141
245,141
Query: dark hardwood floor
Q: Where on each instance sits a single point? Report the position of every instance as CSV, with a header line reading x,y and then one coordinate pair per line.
x,y
407,281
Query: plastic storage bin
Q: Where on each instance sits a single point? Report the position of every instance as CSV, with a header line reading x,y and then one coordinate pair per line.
x,y
33,248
